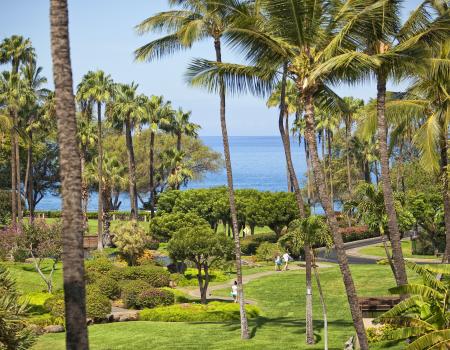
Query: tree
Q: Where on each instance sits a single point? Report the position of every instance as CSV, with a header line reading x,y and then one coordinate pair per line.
x,y
43,241
422,318
126,110
15,50
304,234
163,226
178,124
130,240
204,248
72,220
280,209
96,87
208,21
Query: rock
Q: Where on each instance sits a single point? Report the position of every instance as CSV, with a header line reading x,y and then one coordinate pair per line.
x,y
349,344
128,317
54,329
89,321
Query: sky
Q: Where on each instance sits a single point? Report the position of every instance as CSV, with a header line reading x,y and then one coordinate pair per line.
x,y
102,37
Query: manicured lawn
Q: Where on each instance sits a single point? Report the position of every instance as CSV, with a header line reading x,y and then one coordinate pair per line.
x,y
378,250
281,298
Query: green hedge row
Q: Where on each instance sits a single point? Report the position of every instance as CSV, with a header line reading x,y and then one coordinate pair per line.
x,y
120,214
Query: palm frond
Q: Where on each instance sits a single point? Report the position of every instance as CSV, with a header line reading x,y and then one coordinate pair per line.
x,y
159,48
430,339
418,289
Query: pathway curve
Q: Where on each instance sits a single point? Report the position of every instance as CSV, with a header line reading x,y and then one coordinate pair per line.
x,y
245,279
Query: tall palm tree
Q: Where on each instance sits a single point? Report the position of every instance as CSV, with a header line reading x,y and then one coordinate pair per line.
x,y
158,112
179,125
198,20
126,110
15,50
72,239
96,87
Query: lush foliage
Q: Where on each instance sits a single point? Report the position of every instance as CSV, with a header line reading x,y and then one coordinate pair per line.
x,y
131,241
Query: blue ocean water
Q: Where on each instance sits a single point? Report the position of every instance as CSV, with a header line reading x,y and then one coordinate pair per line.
x,y
258,162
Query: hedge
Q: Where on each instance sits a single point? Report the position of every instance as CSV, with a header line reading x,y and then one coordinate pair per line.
x,y
120,214
356,233
154,297
212,312
108,286
130,290
155,276
250,244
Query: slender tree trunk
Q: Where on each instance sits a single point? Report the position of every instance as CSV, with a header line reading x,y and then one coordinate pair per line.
x,y
13,178
347,146
152,174
100,217
72,239
131,169
179,141
308,170
330,167
18,182
394,232
30,179
84,193
319,178
445,193
309,296
322,301
366,167
226,147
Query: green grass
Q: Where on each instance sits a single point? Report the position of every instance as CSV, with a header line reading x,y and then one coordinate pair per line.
x,y
378,250
281,298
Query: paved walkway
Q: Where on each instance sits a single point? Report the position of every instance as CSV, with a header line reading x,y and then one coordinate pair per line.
x,y
245,279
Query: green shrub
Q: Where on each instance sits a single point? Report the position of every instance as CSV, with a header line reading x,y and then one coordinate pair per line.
x,y
101,265
55,305
90,276
154,275
5,207
250,244
97,304
190,277
212,312
131,290
378,334
131,241
108,287
180,297
267,251
154,297
44,320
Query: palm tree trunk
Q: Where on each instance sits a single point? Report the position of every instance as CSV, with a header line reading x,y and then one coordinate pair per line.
x,y
319,178
347,146
100,217
330,167
179,141
13,179
18,182
72,239
309,296
152,174
394,232
30,179
84,192
322,301
131,169
226,148
445,193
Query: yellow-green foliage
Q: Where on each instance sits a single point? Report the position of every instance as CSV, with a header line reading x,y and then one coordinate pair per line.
x,y
130,240
212,312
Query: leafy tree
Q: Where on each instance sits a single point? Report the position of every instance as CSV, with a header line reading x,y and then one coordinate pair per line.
x,y
422,318
201,246
130,240
14,333
163,226
280,209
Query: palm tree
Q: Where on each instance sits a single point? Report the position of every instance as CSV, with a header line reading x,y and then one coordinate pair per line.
x,y
198,20
73,257
126,110
305,234
96,87
15,50
180,172
158,112
179,125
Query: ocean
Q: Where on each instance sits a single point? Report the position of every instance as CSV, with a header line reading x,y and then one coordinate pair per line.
x,y
258,162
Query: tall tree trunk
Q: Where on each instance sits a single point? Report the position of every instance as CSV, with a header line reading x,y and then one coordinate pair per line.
x,y
179,141
319,178
322,301
131,169
309,175
30,179
100,217
13,178
309,296
152,174
18,182
84,192
72,217
445,193
330,167
347,147
394,232
226,148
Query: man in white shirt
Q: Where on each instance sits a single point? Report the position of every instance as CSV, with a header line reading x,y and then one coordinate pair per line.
x,y
286,258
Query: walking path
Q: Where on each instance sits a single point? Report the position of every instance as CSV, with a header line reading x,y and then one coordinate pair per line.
x,y
245,279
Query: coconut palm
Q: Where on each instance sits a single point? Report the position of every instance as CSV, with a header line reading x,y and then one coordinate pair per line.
x,y
72,239
158,112
126,110
196,21
96,87
178,125
15,50
305,234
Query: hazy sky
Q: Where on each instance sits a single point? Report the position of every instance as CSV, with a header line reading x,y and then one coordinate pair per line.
x,y
102,37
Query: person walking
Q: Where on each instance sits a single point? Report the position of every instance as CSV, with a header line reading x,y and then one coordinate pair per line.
x,y
286,258
278,263
234,291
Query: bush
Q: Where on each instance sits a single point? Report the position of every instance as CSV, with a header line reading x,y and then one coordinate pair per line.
x,y
101,265
180,297
154,297
55,305
131,241
155,276
267,251
45,320
378,334
251,243
212,312
190,277
108,287
97,304
91,276
356,233
131,290
5,207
